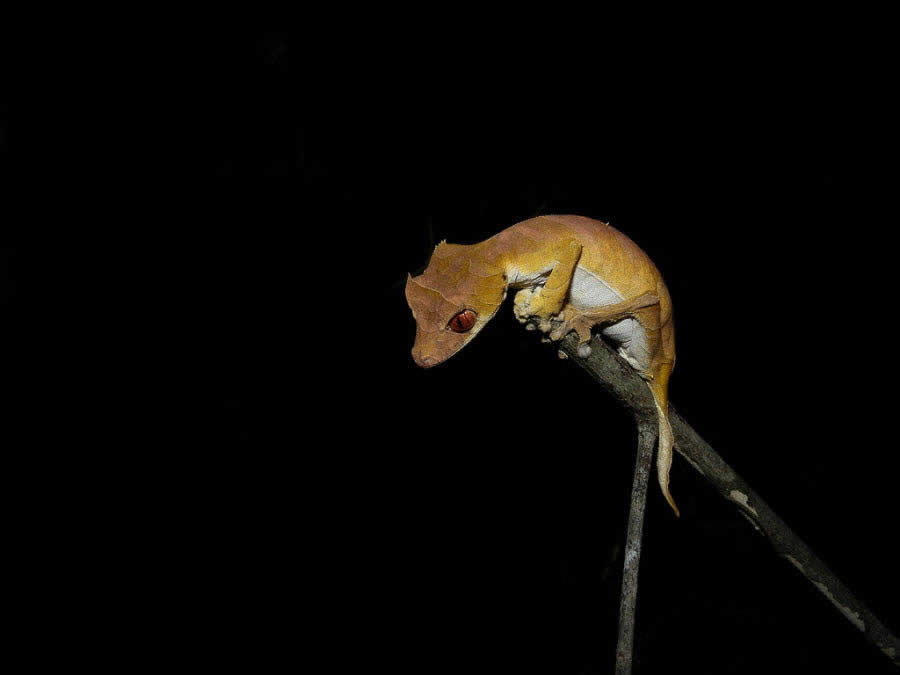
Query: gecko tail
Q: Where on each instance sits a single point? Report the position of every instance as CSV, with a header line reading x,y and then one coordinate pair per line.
x,y
659,388
664,459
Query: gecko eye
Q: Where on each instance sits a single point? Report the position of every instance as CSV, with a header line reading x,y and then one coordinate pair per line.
x,y
462,322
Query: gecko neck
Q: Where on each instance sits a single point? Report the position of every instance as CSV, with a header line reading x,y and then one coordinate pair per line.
x,y
517,257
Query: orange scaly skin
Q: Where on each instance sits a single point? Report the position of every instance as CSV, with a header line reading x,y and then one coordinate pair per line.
x,y
573,270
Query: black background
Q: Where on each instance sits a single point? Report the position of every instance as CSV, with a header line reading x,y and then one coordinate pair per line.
x,y
470,518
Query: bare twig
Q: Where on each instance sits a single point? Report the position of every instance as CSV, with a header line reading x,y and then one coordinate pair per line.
x,y
625,646
624,384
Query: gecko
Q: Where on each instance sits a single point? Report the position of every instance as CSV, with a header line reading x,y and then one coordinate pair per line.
x,y
569,273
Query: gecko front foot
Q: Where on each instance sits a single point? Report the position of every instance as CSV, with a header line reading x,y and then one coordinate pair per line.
x,y
522,305
528,306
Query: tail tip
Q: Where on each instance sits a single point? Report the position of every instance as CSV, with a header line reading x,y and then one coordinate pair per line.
x,y
672,504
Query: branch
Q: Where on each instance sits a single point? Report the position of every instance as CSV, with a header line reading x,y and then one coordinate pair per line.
x,y
628,388
646,439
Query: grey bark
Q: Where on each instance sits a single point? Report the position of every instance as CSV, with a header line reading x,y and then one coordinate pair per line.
x,y
647,430
618,378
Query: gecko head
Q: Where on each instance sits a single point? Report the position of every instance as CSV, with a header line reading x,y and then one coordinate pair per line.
x,y
451,301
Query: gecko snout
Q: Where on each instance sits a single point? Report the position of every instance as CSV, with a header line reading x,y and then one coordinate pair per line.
x,y
424,361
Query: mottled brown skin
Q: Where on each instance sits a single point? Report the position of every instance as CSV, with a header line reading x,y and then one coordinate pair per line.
x,y
539,257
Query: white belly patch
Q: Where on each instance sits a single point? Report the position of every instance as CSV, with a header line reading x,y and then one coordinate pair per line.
x,y
588,291
632,340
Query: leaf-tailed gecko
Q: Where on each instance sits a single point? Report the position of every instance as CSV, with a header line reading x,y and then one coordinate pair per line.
x,y
571,273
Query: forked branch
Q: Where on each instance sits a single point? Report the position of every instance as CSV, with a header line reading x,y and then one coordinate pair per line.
x,y
624,384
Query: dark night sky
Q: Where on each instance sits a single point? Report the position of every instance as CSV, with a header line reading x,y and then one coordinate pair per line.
x,y
470,518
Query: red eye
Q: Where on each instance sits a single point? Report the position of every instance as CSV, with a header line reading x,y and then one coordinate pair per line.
x,y
463,321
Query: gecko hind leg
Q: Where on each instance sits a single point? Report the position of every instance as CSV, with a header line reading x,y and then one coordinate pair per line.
x,y
582,321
